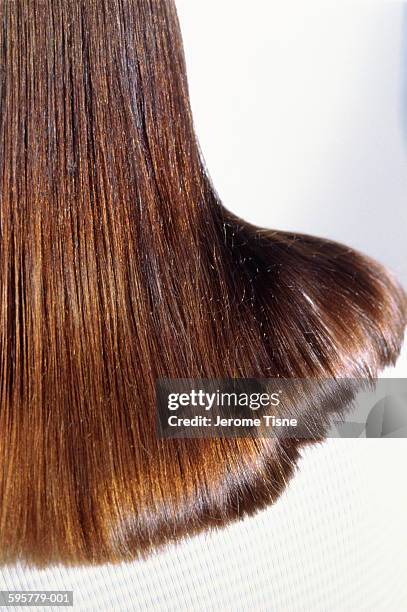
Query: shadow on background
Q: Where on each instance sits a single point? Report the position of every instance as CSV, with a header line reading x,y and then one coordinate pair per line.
x,y
403,76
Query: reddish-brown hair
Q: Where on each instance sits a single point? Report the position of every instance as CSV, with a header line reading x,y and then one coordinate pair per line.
x,y
119,266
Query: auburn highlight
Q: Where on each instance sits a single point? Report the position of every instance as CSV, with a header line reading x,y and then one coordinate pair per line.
x,y
119,266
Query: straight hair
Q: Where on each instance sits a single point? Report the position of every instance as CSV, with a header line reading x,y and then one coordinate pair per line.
x,y
119,266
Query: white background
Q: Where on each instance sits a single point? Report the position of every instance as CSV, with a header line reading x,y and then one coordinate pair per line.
x,y
301,112
300,109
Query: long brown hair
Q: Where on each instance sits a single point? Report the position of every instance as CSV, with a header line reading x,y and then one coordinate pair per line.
x,y
119,266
